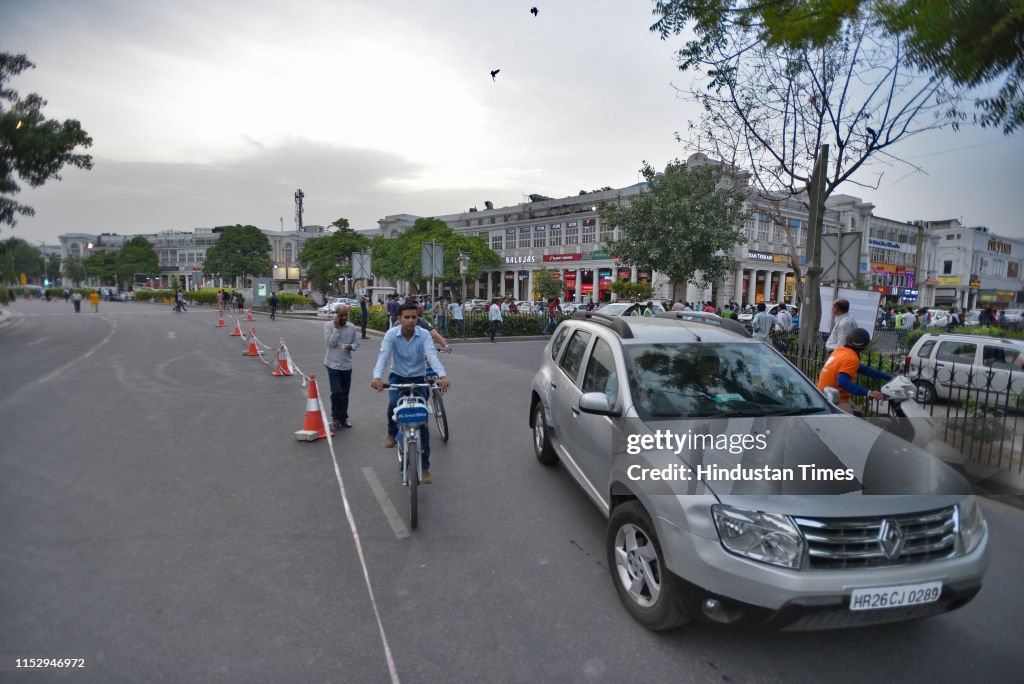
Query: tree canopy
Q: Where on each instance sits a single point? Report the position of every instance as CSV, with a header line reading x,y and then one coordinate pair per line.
x,y
240,252
971,42
101,265
32,147
328,258
401,258
136,256
683,225
16,257
547,283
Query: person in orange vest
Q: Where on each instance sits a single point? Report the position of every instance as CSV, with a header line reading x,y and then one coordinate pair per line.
x,y
844,364
94,299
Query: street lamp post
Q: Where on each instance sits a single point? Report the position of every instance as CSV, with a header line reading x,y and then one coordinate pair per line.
x,y
463,271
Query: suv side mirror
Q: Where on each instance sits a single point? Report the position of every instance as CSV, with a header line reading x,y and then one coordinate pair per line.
x,y
597,404
832,394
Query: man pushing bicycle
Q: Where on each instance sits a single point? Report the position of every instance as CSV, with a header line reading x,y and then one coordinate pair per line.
x,y
409,348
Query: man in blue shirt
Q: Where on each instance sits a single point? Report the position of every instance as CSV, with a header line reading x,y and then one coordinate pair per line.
x,y
409,348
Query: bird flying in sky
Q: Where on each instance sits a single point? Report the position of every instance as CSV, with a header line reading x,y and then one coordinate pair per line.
x,y
495,73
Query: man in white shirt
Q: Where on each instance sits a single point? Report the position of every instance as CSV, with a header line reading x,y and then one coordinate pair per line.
x,y
494,315
762,323
843,325
784,318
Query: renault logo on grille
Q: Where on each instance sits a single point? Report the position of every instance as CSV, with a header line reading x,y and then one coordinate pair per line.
x,y
890,537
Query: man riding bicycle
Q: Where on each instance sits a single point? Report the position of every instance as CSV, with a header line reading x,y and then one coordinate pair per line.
x,y
410,348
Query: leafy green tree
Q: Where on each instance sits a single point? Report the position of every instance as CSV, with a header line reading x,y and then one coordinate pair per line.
x,y
102,265
683,225
401,258
240,252
327,258
73,269
547,283
32,147
973,43
630,290
136,256
18,257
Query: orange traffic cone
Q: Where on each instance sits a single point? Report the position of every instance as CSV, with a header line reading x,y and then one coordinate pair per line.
x,y
220,321
282,362
249,316
313,428
238,330
252,345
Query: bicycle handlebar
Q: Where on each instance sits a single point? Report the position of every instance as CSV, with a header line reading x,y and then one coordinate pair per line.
x,y
407,385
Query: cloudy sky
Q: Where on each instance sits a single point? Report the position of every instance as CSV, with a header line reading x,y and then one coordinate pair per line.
x,y
213,113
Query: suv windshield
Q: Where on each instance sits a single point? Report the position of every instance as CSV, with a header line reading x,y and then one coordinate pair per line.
x,y
690,380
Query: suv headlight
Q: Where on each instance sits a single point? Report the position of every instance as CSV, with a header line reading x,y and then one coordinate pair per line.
x,y
970,523
765,537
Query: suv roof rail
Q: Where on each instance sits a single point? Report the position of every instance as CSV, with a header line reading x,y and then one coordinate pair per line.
x,y
706,319
616,323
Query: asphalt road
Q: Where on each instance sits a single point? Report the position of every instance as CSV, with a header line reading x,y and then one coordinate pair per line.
x,y
161,521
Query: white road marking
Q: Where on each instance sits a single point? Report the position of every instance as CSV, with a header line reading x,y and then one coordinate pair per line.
x,y
60,371
39,341
390,512
171,335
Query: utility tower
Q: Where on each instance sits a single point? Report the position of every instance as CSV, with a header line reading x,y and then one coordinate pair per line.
x,y
298,209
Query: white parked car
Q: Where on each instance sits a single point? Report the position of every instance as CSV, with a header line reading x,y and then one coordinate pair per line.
x,y
959,366
327,311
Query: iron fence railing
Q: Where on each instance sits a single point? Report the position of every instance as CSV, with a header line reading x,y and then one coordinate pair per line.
x,y
978,410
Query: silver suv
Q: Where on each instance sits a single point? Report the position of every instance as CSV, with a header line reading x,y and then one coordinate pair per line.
x,y
709,454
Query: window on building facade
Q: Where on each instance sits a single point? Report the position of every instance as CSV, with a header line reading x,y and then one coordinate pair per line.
x,y
947,267
762,231
538,236
572,235
748,228
288,252
524,237
496,242
555,235
607,233
589,232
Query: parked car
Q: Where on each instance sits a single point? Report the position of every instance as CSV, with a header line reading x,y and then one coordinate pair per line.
x,y
938,318
1012,316
682,547
962,366
327,310
524,307
626,308
973,317
476,305
748,316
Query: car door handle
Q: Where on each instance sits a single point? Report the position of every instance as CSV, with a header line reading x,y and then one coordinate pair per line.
x,y
554,386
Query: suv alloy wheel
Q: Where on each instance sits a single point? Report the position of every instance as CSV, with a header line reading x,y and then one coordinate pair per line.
x,y
648,589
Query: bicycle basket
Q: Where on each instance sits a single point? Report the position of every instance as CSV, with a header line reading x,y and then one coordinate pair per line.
x,y
411,410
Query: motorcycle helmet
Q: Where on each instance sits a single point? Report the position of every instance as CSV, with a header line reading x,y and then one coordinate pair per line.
x,y
858,339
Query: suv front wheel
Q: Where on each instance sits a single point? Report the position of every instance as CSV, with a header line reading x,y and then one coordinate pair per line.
x,y
542,448
651,593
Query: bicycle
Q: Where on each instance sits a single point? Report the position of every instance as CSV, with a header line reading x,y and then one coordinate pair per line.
x,y
411,413
437,403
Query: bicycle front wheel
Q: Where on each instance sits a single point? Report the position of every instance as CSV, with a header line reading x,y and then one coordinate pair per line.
x,y
412,469
440,417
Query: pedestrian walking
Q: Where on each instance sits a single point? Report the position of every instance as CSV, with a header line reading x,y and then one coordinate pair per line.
x,y
179,302
76,300
458,316
552,315
273,306
241,300
441,316
784,319
393,305
843,324
94,299
340,338
364,310
494,315
762,323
